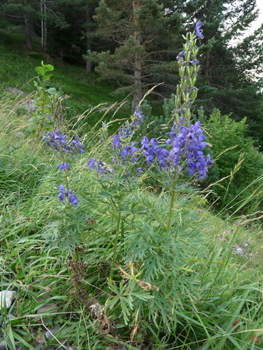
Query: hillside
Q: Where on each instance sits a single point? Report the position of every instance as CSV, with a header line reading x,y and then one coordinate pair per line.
x,y
100,255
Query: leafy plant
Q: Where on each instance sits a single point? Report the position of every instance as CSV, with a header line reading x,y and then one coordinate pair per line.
x,y
229,141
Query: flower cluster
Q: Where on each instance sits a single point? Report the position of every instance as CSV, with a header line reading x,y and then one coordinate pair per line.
x,y
181,56
67,194
56,140
185,145
137,118
64,166
124,149
122,141
59,142
91,164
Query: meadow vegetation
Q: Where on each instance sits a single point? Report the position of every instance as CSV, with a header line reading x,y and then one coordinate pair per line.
x,y
120,257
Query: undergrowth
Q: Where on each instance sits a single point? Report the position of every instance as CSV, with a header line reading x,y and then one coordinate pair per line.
x,y
126,264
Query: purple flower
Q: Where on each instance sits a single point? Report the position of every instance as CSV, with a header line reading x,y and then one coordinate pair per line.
x,y
198,30
137,119
91,163
185,144
181,56
64,166
58,142
73,200
61,197
64,193
116,142
122,143
139,172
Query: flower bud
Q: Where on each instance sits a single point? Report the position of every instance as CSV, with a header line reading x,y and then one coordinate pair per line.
x,y
181,72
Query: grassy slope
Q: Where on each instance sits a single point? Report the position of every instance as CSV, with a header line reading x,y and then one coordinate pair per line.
x,y
17,69
23,211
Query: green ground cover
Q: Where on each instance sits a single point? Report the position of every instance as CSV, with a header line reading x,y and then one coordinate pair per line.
x,y
197,290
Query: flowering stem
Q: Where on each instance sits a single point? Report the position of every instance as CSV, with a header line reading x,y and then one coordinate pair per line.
x,y
171,203
115,243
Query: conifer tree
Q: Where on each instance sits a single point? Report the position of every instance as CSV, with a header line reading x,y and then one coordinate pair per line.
x,y
230,62
142,34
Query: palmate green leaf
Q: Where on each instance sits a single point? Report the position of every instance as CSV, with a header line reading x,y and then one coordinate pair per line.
x,y
125,310
143,296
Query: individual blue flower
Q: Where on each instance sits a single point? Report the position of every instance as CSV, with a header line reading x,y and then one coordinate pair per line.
x,y
181,56
91,163
73,200
64,166
199,31
61,197
139,172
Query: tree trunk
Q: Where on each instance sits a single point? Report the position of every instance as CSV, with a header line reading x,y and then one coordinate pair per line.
x,y
28,32
43,9
88,46
207,64
207,55
137,61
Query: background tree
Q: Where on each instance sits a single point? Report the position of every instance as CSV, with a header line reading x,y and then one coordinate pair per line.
x,y
229,61
142,35
23,13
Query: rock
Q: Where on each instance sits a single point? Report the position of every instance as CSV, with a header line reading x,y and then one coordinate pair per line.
x,y
50,332
107,169
9,317
49,308
3,345
6,298
237,250
30,105
46,309
246,245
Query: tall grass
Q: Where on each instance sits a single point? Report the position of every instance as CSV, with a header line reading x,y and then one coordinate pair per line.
x,y
221,310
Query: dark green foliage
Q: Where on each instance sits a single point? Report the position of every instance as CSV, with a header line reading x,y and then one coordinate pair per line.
x,y
157,126
230,145
143,41
228,61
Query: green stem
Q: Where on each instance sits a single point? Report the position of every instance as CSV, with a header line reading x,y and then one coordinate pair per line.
x,y
171,203
115,244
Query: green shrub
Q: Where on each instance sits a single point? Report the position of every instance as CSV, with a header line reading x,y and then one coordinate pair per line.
x,y
231,147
